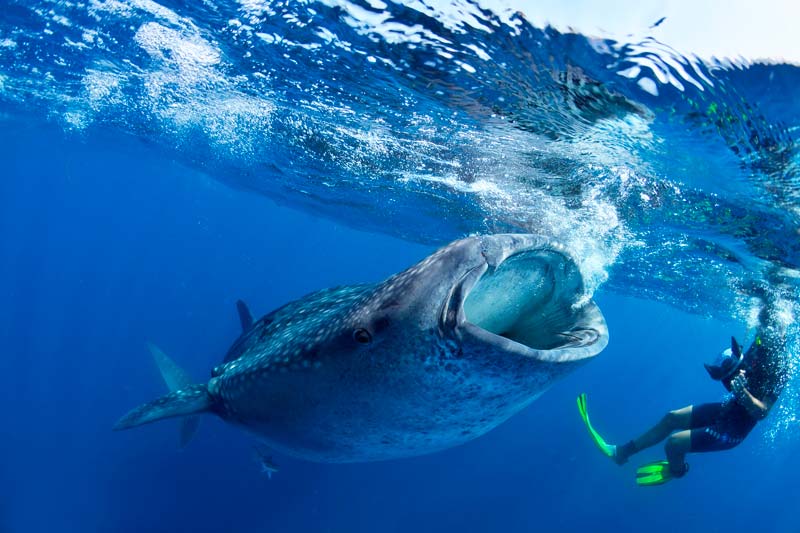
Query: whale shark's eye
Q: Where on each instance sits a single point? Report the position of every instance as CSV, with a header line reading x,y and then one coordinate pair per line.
x,y
362,336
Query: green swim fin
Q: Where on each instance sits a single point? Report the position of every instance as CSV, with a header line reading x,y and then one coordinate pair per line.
x,y
607,449
656,473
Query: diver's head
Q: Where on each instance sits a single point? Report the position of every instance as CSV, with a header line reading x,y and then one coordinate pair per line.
x,y
727,363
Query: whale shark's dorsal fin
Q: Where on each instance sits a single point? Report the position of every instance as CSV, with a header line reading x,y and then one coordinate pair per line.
x,y
244,315
176,379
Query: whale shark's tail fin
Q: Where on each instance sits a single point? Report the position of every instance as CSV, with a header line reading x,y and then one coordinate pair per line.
x,y
176,379
185,399
191,400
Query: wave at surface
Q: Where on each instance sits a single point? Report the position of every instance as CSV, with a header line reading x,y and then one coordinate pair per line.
x,y
669,177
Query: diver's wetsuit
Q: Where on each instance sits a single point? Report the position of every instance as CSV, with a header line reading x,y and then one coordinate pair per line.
x,y
723,425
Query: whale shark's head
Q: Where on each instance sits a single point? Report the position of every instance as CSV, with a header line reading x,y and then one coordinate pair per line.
x,y
518,294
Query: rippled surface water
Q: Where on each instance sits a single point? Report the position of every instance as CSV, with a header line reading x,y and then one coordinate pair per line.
x,y
669,177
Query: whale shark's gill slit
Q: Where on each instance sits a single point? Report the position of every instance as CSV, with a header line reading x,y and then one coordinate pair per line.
x,y
529,299
452,313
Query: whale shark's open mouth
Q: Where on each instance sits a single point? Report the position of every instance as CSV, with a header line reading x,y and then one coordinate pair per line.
x,y
530,303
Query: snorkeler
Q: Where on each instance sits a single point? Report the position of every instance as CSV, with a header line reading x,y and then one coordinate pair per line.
x,y
755,379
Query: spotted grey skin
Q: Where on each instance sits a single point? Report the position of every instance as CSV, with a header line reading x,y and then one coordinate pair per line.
x,y
428,359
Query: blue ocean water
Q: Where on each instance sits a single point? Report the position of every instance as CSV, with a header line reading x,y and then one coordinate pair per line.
x,y
161,161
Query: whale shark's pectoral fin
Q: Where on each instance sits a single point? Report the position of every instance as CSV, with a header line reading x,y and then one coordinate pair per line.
x,y
176,379
245,317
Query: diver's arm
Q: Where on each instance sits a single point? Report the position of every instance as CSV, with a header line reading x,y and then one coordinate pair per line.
x,y
758,409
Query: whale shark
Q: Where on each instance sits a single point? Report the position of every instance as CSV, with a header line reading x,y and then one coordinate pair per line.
x,y
430,358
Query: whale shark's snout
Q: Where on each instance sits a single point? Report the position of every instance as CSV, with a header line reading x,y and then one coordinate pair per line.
x,y
432,357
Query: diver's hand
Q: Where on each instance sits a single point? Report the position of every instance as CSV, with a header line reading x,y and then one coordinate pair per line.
x,y
755,407
739,387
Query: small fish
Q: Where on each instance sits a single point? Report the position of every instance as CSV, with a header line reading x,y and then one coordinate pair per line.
x,y
265,461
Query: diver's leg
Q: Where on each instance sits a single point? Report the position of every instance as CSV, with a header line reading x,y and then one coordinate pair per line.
x,y
672,421
677,446
709,428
